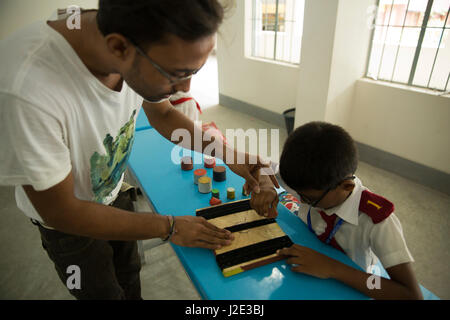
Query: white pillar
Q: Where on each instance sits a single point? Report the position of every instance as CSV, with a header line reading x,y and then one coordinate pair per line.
x,y
335,44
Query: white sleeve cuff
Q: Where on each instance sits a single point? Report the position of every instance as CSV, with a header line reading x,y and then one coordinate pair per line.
x,y
52,180
275,167
396,258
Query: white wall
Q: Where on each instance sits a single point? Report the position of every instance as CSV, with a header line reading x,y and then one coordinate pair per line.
x,y
315,62
348,61
267,85
15,14
335,41
409,123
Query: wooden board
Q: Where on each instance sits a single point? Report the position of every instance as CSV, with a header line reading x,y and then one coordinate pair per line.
x,y
256,238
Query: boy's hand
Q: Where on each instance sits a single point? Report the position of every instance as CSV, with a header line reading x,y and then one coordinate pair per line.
x,y
309,261
265,202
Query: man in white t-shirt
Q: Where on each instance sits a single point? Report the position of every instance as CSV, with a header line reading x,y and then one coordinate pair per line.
x,y
70,91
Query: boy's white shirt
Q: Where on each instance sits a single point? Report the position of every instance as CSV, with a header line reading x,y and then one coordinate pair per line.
x,y
362,240
189,108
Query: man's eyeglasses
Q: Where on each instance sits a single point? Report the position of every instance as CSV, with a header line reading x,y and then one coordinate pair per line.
x,y
316,202
172,79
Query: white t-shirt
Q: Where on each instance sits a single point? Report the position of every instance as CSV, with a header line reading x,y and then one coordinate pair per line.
x,y
57,118
361,239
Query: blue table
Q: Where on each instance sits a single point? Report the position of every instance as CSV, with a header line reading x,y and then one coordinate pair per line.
x,y
142,121
172,191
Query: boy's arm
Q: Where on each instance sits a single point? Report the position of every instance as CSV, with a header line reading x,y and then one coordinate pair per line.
x,y
402,284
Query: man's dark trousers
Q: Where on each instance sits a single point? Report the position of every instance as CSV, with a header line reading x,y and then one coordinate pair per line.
x,y
108,269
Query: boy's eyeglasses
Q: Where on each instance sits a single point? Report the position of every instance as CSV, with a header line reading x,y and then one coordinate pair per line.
x,y
172,79
316,202
313,203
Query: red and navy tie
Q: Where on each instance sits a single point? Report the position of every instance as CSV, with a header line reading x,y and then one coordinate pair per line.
x,y
330,220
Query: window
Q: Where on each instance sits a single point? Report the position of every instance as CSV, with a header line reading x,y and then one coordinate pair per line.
x,y
276,29
411,43
273,14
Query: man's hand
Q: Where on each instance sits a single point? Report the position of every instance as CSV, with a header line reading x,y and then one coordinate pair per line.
x,y
265,202
61,210
308,261
165,119
252,172
193,231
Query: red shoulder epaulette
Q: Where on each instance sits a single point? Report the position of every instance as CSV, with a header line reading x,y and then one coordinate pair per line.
x,y
375,206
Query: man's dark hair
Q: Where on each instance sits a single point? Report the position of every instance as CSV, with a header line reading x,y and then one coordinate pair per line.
x,y
149,21
318,155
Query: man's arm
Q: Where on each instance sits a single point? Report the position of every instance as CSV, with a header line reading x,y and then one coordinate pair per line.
x,y
165,119
61,210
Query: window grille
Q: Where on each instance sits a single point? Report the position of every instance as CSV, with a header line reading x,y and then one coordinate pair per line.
x,y
411,43
277,29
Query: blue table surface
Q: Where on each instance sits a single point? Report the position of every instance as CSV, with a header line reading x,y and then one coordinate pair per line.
x,y
172,191
142,121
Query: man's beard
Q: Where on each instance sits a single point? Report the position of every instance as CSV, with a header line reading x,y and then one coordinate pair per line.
x,y
156,99
134,80
147,97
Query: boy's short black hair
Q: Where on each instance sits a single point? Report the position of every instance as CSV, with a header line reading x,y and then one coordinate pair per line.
x,y
318,155
149,21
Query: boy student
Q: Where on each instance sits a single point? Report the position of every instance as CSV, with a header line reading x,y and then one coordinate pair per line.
x,y
319,161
